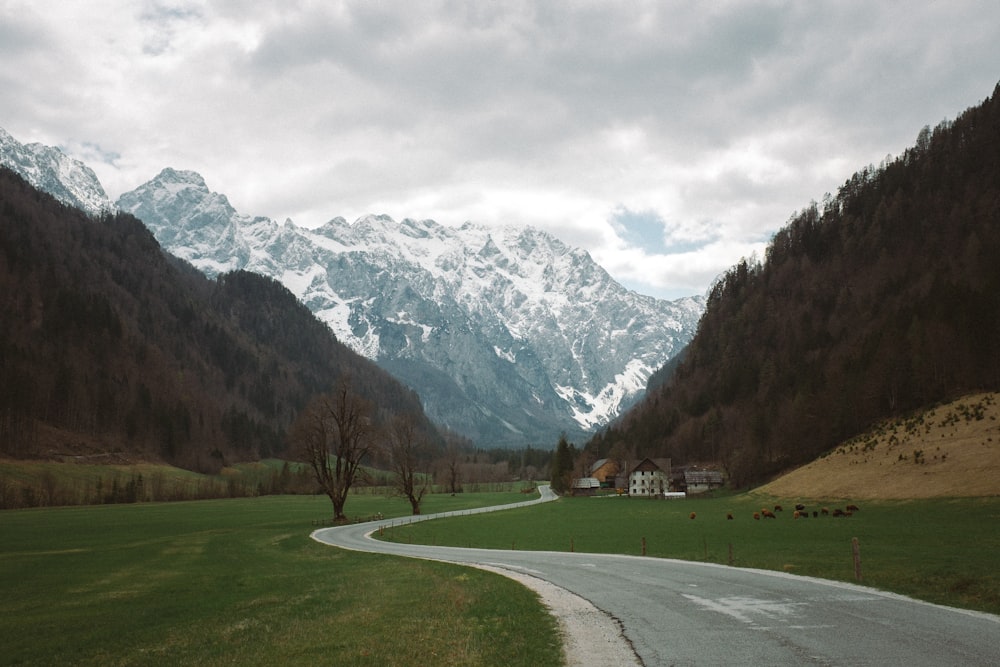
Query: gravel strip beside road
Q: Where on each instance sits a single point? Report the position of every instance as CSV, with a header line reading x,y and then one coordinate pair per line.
x,y
590,636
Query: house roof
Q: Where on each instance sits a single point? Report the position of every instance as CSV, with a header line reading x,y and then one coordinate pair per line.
x,y
651,464
597,464
703,477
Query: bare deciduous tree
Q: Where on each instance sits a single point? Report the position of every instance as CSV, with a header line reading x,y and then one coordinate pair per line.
x,y
407,446
451,463
333,435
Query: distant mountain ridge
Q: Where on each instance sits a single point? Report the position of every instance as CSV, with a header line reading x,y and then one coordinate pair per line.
x,y
110,346
509,335
50,170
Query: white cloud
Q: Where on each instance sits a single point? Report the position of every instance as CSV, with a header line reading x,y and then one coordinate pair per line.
x,y
715,123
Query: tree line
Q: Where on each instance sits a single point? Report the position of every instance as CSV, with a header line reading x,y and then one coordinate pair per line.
x,y
339,431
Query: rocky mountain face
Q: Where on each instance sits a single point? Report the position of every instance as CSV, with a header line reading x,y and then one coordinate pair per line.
x,y
508,335
50,170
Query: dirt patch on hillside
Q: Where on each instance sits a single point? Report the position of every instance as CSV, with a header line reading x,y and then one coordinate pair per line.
x,y
952,450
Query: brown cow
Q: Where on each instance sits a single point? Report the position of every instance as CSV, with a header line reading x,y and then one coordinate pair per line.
x,y
768,514
756,516
693,515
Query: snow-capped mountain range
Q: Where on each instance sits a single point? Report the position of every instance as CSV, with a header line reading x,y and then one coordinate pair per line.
x,y
50,170
508,335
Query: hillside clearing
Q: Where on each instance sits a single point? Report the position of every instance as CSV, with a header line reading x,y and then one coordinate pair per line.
x,y
952,450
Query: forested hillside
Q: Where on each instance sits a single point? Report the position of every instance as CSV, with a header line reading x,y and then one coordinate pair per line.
x,y
880,300
108,344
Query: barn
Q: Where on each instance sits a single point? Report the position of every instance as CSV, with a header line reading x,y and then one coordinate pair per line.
x,y
604,471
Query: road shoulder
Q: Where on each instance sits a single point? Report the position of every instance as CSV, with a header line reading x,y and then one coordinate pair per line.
x,y
590,636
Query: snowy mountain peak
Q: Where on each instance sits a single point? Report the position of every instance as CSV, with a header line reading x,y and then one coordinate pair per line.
x,y
195,223
174,181
181,176
49,169
509,335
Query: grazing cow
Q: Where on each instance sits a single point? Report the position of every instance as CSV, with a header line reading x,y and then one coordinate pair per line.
x,y
853,508
815,514
756,516
729,516
825,511
777,508
800,507
768,514
838,512
693,515
796,514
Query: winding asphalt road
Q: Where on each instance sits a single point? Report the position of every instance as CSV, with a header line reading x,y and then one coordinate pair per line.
x,y
684,613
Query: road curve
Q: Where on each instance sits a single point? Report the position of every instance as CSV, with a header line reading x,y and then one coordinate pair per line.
x,y
684,613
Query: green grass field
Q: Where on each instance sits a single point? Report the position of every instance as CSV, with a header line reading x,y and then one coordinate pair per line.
x,y
240,582
943,551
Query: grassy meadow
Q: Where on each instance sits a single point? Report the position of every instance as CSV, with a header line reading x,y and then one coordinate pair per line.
x,y
239,581
942,551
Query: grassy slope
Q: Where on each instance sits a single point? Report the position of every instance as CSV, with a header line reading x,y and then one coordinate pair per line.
x,y
950,451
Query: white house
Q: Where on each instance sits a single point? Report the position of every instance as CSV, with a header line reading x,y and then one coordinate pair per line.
x,y
649,478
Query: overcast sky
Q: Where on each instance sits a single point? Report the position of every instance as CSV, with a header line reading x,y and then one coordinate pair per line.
x,y
667,138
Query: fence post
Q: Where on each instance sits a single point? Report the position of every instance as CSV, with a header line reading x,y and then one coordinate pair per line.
x,y
572,547
644,546
730,553
856,549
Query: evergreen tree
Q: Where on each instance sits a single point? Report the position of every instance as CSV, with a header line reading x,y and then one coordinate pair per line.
x,y
562,465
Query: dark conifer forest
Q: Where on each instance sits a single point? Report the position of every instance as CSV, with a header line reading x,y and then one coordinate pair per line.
x,y
880,300
108,344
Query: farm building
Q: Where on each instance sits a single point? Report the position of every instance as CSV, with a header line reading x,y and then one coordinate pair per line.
x,y
585,486
604,471
649,477
601,476
700,481
645,477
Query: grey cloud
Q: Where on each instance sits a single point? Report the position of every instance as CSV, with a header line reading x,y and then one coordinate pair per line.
x,y
660,107
162,21
22,33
